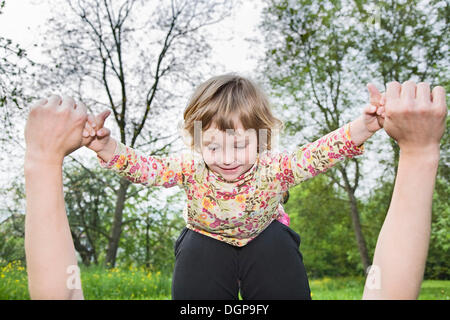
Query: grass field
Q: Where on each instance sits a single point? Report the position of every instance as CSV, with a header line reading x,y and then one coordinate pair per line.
x,y
133,283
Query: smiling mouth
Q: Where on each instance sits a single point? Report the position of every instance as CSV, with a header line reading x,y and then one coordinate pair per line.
x,y
229,169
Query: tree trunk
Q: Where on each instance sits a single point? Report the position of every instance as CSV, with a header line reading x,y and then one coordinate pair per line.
x,y
81,249
147,244
358,232
116,229
356,223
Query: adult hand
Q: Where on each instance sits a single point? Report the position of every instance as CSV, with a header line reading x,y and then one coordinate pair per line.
x,y
54,129
415,117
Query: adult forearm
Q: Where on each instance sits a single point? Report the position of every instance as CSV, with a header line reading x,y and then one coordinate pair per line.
x,y
402,246
48,242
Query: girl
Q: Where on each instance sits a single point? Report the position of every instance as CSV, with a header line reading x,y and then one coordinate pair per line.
x,y
236,235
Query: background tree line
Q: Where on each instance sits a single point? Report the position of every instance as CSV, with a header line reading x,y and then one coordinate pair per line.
x,y
319,56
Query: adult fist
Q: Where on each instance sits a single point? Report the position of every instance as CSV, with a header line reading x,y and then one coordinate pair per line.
x,y
54,129
415,116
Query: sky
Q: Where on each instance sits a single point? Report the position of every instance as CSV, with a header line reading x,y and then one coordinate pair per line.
x,y
21,21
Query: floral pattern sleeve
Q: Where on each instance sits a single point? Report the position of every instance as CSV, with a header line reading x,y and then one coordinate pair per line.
x,y
316,157
150,170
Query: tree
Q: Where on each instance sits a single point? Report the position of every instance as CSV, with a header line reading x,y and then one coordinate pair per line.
x,y
309,64
12,244
12,223
319,213
109,54
149,229
11,69
89,202
148,240
404,40
15,77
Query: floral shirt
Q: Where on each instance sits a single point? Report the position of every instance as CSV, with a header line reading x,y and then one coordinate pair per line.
x,y
234,211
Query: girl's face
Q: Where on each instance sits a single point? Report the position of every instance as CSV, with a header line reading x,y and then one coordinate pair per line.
x,y
229,153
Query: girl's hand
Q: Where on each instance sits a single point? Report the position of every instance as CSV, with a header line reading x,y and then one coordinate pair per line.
x,y
373,114
97,137
88,133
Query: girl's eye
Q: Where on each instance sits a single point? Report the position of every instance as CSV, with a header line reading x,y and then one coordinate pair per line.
x,y
240,147
212,148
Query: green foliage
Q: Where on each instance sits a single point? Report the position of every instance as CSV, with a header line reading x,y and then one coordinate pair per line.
x,y
321,216
374,210
407,40
149,229
149,240
12,227
141,284
97,283
89,198
125,284
13,281
321,55
12,243
311,65
400,30
311,43
438,262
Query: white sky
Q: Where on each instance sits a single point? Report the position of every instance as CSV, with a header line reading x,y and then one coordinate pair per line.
x,y
21,20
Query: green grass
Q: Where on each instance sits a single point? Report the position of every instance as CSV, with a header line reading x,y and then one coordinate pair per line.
x,y
138,283
98,283
352,289
336,288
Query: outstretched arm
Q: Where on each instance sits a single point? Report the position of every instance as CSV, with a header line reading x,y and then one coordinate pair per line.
x,y
53,130
417,123
50,254
402,246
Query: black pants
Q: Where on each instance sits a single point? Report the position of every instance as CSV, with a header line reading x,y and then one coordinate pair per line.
x,y
269,267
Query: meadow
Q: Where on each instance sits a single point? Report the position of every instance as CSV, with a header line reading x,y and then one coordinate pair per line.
x,y
140,284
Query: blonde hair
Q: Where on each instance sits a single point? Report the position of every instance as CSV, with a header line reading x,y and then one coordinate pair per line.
x,y
220,98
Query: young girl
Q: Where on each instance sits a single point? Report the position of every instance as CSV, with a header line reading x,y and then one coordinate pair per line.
x,y
236,235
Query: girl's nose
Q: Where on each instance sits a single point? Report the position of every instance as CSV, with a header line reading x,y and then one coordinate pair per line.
x,y
228,157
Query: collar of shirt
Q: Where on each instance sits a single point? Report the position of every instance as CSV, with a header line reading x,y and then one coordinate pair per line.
x,y
243,177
